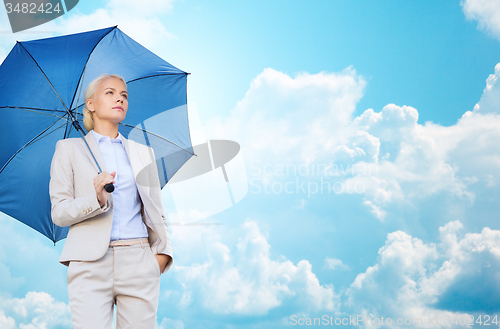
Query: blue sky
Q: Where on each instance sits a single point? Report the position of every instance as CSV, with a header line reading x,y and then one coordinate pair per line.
x,y
397,99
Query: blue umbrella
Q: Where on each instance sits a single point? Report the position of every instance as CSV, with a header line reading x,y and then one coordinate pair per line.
x,y
41,101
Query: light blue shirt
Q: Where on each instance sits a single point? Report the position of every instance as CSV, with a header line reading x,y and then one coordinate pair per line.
x,y
127,219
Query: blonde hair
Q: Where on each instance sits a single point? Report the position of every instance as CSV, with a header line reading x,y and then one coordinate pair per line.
x,y
88,121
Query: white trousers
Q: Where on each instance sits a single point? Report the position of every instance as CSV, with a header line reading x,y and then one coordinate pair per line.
x,y
128,276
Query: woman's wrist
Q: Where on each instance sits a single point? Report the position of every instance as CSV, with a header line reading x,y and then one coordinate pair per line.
x,y
101,203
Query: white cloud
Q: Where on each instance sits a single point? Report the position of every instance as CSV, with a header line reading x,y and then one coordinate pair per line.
x,y
167,323
377,211
334,263
387,157
141,20
6,322
141,8
21,251
3,55
249,282
423,160
413,279
490,100
37,310
285,119
485,12
146,30
8,39
8,283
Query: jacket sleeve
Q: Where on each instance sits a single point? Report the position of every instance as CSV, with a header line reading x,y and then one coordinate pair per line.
x,y
157,199
66,209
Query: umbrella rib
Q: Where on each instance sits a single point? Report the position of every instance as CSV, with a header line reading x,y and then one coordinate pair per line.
x,y
29,110
36,140
75,122
50,83
80,91
158,75
124,124
28,143
80,80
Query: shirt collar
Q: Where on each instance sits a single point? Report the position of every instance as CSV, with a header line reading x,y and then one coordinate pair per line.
x,y
98,137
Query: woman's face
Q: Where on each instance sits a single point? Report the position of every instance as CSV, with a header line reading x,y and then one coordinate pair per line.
x,y
109,102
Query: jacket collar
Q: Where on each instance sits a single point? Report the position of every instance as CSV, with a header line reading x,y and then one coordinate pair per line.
x,y
135,161
98,137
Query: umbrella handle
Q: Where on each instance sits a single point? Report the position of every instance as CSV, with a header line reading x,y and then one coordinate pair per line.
x,y
109,188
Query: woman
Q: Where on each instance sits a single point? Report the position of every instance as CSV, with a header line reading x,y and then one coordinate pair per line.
x,y
118,243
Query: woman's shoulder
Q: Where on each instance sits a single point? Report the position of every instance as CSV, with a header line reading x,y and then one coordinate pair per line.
x,y
65,148
69,143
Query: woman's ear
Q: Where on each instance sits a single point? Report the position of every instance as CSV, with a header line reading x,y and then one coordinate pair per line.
x,y
89,105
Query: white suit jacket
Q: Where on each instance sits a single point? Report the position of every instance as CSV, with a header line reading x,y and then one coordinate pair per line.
x,y
74,201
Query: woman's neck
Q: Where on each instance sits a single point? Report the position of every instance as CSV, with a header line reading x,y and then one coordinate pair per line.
x,y
106,129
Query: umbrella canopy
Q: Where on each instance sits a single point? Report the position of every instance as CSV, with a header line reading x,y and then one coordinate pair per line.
x,y
41,88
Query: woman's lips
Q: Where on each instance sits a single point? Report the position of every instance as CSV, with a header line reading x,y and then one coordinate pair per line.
x,y
118,108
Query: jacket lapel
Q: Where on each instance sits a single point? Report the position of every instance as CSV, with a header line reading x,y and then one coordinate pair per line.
x,y
136,162
133,158
94,148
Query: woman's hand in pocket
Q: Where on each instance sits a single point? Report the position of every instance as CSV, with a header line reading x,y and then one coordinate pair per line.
x,y
163,260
